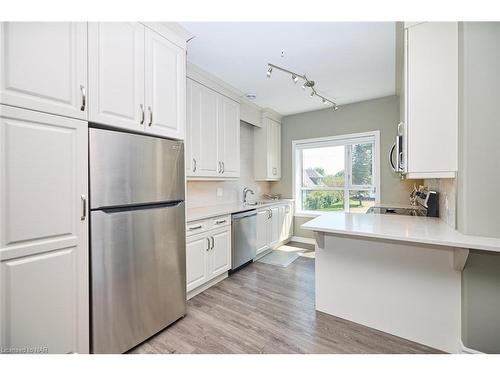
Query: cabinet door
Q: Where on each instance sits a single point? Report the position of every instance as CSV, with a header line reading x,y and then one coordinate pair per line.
x,y
38,294
220,255
43,67
288,221
276,150
263,222
275,229
229,136
165,86
273,149
116,74
43,231
202,131
197,248
281,223
432,98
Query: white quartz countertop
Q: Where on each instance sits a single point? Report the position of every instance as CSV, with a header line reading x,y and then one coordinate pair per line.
x,y
200,213
418,229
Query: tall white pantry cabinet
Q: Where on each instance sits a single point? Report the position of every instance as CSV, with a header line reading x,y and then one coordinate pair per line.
x,y
46,100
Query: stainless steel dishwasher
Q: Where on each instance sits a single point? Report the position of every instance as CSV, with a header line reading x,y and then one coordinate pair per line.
x,y
243,238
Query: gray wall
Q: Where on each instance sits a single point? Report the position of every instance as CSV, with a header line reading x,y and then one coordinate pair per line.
x,y
378,114
478,202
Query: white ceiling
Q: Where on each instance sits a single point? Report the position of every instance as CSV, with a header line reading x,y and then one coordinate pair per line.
x,y
349,61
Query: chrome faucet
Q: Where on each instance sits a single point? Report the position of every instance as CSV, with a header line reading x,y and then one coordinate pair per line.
x,y
245,191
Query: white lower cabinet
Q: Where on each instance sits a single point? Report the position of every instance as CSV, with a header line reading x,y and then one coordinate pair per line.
x,y
197,248
44,300
263,227
274,234
220,255
274,226
208,254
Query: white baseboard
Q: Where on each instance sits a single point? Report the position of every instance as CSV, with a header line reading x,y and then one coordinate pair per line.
x,y
205,286
467,350
307,240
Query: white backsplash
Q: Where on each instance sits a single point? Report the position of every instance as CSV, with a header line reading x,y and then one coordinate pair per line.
x,y
209,193
447,189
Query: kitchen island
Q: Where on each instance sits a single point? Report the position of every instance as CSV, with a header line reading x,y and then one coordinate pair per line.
x,y
398,274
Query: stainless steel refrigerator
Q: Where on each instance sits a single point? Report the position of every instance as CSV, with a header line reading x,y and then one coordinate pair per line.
x,y
138,263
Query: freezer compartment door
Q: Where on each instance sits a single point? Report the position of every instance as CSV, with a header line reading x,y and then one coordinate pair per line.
x,y
138,274
128,169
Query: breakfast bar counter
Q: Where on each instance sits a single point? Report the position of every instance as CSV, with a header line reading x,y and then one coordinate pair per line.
x,y
397,274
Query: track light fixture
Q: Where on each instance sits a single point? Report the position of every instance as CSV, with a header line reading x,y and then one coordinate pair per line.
x,y
307,83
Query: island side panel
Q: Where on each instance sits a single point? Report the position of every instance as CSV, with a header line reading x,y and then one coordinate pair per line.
x,y
408,290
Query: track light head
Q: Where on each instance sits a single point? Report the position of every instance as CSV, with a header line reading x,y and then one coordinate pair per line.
x,y
311,95
304,86
269,72
335,107
294,78
324,101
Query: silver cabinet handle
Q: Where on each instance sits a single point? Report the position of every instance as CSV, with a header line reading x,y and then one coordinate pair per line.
x,y
220,167
269,213
84,97
220,221
150,116
208,244
194,165
194,228
223,167
84,207
275,171
213,242
142,114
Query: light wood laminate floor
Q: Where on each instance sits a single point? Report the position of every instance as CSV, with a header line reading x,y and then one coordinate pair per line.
x,y
268,309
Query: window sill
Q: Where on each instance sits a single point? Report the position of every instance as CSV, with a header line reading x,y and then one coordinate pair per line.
x,y
306,214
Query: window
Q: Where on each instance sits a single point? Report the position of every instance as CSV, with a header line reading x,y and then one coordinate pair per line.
x,y
336,173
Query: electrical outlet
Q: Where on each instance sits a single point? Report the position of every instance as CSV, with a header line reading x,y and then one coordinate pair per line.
x,y
220,192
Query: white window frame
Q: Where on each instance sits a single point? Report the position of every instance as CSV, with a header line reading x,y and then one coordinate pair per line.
x,y
339,140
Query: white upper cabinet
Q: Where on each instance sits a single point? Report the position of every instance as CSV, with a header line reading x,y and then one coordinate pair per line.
x,y
431,99
165,86
43,232
212,134
137,79
229,137
267,149
43,67
116,74
201,141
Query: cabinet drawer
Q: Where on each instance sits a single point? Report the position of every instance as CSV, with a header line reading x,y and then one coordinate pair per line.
x,y
200,226
220,221
196,227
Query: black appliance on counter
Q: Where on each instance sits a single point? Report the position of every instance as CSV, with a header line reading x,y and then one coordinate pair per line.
x,y
427,205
